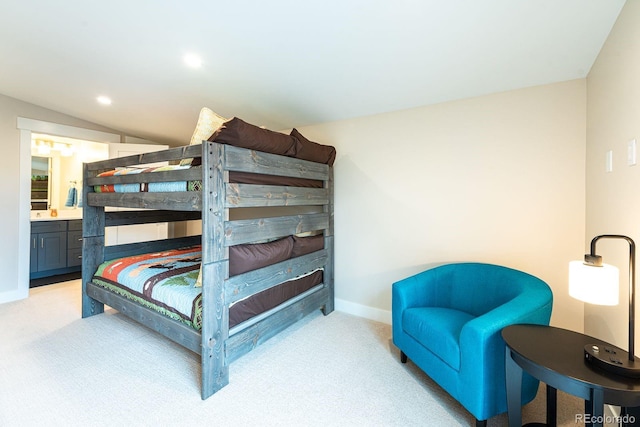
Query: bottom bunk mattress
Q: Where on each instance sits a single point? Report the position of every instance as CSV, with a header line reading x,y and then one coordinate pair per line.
x,y
168,281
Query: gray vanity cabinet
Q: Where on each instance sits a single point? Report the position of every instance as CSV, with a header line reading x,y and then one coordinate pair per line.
x,y
74,243
56,247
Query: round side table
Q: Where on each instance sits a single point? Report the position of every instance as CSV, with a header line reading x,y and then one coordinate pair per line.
x,y
555,356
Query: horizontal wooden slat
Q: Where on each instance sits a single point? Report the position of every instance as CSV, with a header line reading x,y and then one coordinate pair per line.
x,y
274,322
192,174
187,151
114,218
251,230
172,329
243,160
137,248
252,282
179,200
245,195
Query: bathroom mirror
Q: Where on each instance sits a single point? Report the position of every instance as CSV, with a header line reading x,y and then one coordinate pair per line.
x,y
56,171
40,183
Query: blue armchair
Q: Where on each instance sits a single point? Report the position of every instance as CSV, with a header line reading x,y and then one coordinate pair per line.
x,y
448,319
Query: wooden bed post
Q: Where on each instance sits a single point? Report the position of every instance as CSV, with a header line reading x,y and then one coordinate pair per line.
x,y
215,271
328,245
93,222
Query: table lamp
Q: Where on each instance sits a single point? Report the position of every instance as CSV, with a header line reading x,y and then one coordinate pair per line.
x,y
597,283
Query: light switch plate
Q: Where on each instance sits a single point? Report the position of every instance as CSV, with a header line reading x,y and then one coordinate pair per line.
x,y
631,153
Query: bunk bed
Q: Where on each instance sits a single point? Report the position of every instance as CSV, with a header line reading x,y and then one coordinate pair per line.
x,y
215,178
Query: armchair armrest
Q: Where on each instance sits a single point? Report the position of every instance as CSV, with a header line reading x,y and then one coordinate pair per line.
x,y
482,346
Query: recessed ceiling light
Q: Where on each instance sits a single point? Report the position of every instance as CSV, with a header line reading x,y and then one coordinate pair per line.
x,y
192,60
104,100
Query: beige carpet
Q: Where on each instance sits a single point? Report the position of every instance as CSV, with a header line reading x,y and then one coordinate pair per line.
x,y
338,370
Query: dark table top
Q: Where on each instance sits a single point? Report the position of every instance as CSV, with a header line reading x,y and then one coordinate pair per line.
x,y
556,356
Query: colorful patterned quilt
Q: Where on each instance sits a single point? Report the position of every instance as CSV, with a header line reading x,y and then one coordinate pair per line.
x,y
163,281
234,176
166,281
149,187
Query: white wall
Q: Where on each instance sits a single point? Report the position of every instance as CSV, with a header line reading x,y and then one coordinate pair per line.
x,y
496,179
613,199
12,223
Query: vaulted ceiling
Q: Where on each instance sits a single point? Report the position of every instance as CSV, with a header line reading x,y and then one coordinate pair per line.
x,y
285,63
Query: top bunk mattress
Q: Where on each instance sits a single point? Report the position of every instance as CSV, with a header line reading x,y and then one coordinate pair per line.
x,y
238,133
193,185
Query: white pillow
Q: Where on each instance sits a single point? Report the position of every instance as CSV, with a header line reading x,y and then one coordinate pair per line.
x,y
208,123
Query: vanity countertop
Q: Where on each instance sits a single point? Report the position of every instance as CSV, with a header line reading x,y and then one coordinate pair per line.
x,y
63,214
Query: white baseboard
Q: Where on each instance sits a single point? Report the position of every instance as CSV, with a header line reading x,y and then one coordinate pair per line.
x,y
360,310
13,295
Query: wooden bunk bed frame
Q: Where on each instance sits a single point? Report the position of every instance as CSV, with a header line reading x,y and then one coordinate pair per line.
x,y
216,343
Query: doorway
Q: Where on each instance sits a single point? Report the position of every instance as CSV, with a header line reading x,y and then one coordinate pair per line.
x,y
28,127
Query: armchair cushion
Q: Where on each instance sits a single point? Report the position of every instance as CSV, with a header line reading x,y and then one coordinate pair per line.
x,y
440,328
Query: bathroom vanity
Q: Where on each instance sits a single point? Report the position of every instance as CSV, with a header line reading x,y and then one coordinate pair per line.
x,y
56,246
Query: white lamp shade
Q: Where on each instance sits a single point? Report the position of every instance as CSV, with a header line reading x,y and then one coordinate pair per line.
x,y
595,285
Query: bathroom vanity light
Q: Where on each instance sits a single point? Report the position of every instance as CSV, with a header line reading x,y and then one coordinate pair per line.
x,y
45,147
66,150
